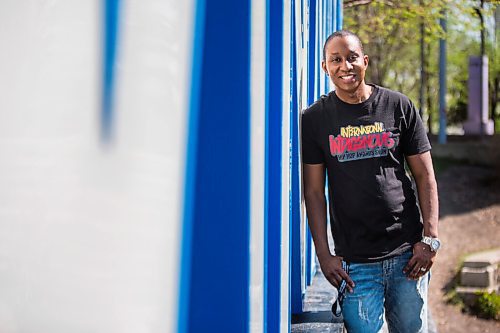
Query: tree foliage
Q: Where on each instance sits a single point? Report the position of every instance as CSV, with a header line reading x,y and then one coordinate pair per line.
x,y
391,34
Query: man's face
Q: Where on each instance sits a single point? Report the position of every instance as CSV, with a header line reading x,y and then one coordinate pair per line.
x,y
345,63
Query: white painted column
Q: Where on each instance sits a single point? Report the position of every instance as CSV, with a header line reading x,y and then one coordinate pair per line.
x,y
257,161
286,180
89,234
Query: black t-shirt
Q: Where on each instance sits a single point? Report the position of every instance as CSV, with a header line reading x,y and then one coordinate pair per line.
x,y
373,207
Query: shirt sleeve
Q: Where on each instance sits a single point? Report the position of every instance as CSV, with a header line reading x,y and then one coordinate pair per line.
x,y
414,137
311,150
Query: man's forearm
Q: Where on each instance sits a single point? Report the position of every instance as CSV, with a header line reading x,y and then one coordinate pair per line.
x,y
429,203
316,216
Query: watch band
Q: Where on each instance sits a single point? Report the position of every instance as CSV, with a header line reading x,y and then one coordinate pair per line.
x,y
433,242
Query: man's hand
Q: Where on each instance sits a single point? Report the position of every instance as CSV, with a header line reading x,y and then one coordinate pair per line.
x,y
331,266
421,261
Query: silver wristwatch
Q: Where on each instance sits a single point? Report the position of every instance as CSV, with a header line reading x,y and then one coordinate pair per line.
x,y
434,243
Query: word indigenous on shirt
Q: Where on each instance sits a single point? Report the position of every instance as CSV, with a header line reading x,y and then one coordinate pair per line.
x,y
360,142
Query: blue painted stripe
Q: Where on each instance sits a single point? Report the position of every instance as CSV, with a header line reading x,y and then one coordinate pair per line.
x,y
311,61
442,83
189,176
330,24
308,257
111,11
326,33
313,84
296,274
340,17
273,183
324,23
216,265
328,21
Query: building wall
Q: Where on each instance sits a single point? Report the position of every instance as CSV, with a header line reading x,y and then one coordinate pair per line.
x,y
90,230
150,163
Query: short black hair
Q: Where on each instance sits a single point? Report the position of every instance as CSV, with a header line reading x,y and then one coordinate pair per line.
x,y
341,33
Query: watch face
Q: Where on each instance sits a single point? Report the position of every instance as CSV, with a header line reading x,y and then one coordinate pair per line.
x,y
435,244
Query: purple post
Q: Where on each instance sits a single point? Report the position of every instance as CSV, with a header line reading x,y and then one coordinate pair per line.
x,y
477,112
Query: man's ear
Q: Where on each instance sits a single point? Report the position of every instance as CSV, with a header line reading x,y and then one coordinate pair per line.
x,y
366,60
323,65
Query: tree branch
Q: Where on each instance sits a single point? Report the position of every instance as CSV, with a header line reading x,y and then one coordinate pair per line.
x,y
355,3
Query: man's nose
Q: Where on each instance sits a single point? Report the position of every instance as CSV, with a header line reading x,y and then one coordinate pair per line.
x,y
346,65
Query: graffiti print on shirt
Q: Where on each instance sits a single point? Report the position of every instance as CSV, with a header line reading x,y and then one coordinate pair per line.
x,y
360,142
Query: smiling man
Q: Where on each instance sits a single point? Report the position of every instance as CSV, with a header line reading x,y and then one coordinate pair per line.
x,y
361,135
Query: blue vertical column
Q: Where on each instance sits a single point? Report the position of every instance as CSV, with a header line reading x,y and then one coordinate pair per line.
x,y
274,164
111,11
442,83
339,15
311,52
214,290
329,24
296,262
312,64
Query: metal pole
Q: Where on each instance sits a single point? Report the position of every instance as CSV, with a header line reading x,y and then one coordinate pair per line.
x,y
479,12
483,51
422,64
442,83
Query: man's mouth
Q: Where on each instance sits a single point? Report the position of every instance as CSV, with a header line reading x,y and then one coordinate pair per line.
x,y
347,77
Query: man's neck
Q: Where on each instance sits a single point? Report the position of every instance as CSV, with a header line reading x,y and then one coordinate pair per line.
x,y
360,95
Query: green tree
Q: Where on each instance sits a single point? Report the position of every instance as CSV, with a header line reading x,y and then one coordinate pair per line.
x,y
391,32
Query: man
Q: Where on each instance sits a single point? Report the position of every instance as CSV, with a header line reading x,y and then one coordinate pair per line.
x,y
360,136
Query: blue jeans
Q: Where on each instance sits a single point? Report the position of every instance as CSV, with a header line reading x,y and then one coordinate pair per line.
x,y
383,286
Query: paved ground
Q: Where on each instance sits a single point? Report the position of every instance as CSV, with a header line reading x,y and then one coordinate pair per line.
x,y
319,298
469,222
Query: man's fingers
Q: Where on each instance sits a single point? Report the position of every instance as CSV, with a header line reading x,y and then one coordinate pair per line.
x,y
420,263
333,282
342,275
419,269
415,271
409,267
338,279
427,267
334,279
335,274
348,280
415,267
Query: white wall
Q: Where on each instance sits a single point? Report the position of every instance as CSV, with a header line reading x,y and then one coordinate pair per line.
x,y
257,160
89,232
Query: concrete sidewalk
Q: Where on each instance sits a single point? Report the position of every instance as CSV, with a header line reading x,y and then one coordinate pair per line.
x,y
317,316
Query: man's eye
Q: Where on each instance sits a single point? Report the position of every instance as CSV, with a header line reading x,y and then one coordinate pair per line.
x,y
335,59
352,58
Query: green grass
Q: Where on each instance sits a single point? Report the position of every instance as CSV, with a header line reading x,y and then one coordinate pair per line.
x,y
488,305
451,296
